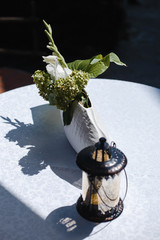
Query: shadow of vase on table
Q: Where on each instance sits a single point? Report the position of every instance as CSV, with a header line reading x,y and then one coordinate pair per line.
x,y
47,144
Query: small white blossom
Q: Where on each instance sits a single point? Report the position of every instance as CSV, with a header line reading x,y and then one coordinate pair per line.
x,y
55,69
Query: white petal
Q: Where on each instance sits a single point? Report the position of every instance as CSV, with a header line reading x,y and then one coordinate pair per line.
x,y
60,73
55,69
68,71
50,59
51,70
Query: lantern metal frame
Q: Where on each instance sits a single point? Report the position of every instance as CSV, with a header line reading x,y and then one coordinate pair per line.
x,y
109,215
116,164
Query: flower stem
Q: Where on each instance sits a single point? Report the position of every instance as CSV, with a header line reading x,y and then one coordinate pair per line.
x,y
52,45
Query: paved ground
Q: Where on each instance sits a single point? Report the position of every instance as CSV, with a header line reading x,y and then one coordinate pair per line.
x,y
141,52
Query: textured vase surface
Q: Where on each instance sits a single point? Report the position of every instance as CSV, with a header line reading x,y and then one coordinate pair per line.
x,y
85,128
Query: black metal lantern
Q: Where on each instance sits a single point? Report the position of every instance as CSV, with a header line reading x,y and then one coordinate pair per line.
x,y
101,165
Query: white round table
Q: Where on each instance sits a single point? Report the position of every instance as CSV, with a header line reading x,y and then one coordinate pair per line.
x,y
40,181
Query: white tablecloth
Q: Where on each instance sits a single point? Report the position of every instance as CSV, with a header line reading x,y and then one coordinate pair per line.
x,y
40,181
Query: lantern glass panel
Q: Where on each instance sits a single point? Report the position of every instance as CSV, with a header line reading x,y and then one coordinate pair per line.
x,y
100,193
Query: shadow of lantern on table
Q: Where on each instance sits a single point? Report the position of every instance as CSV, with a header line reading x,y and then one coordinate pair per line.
x,y
66,221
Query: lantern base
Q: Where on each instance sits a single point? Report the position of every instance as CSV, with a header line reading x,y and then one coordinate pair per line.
x,y
97,216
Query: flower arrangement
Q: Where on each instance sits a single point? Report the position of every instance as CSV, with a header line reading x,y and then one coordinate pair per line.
x,y
63,84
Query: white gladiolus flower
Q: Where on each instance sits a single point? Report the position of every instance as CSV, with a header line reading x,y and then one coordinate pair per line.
x,y
55,69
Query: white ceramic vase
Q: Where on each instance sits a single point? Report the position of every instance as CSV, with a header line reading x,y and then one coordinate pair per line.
x,y
85,128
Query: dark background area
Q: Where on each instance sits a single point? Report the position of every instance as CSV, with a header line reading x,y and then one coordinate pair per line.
x,y
81,29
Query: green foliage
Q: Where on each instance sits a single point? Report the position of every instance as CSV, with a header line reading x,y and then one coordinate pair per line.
x,y
68,89
96,65
44,83
68,113
66,92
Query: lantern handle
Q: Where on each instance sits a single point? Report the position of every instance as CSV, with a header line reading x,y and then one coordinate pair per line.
x,y
126,184
113,144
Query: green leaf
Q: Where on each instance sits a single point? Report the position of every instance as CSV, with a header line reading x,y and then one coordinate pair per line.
x,y
97,68
84,64
51,99
86,101
95,65
79,65
68,114
96,59
114,58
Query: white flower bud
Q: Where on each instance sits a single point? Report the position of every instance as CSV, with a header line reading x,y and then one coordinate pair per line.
x,y
55,69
